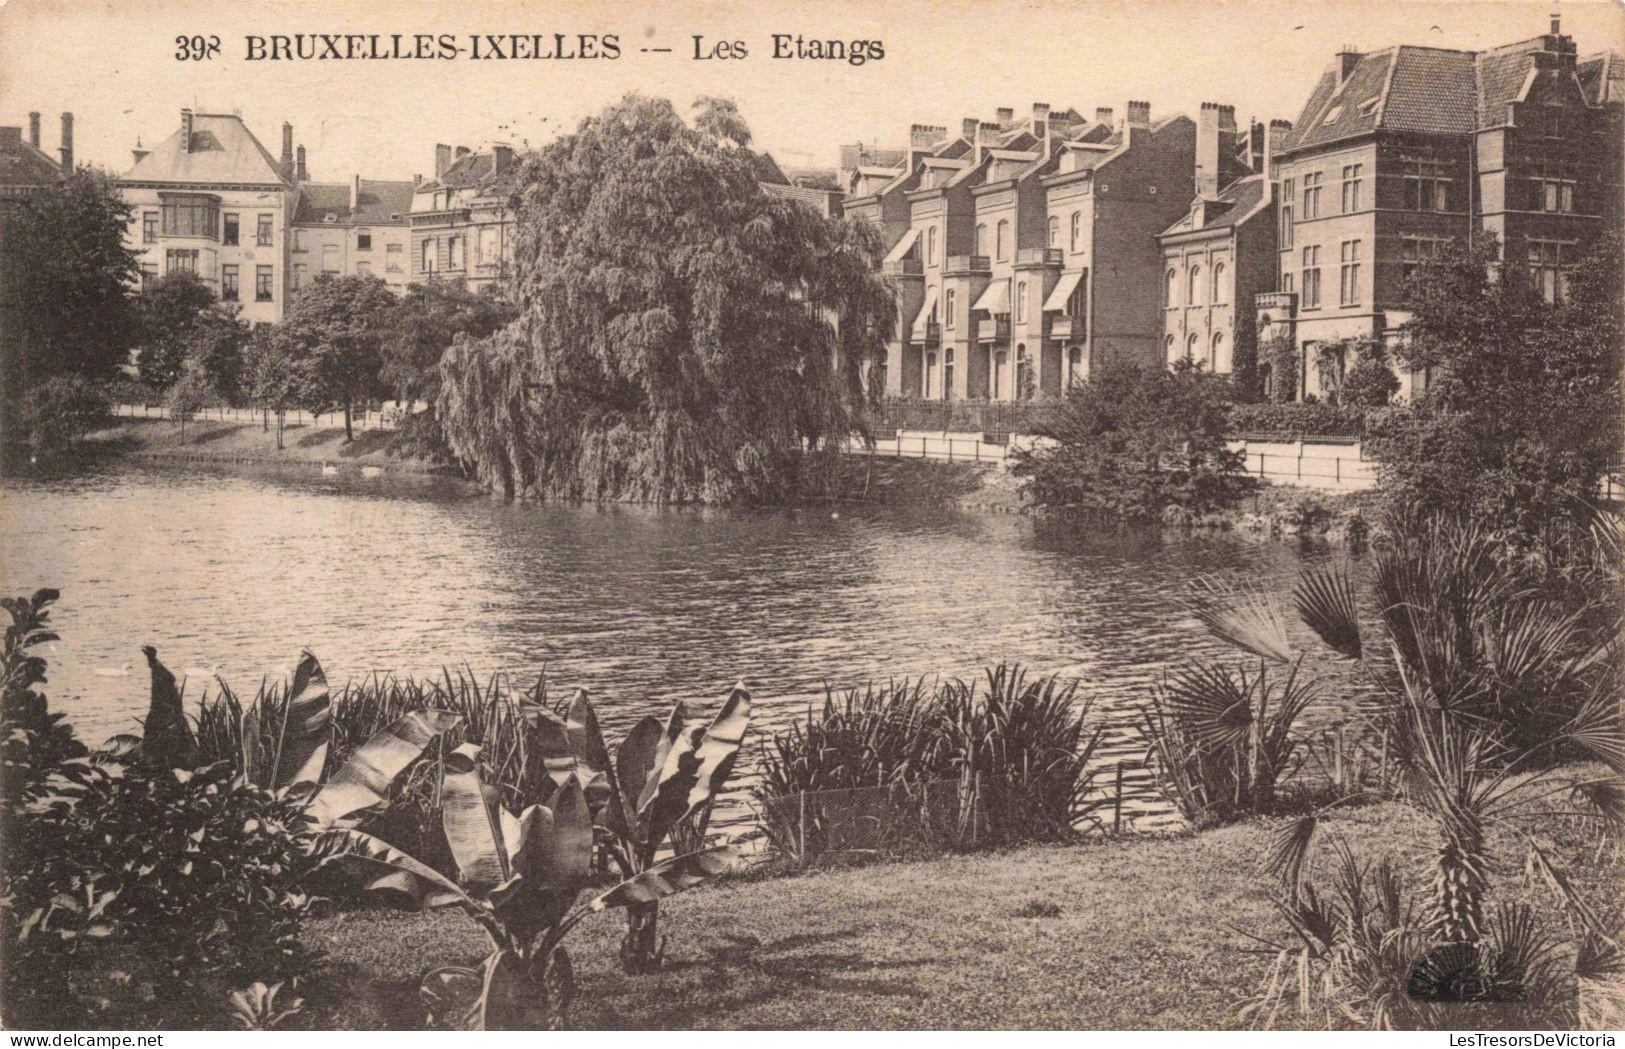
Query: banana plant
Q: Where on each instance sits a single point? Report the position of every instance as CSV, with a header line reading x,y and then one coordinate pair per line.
x,y
662,782
519,880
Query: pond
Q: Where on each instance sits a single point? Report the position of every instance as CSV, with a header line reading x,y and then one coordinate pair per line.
x,y
230,574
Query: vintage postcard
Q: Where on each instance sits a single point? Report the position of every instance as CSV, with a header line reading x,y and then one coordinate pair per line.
x,y
939,514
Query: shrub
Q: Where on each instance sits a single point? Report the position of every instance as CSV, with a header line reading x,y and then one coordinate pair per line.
x,y
1295,420
61,410
1371,382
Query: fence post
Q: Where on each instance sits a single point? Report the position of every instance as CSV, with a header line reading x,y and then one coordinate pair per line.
x,y
1337,468
802,823
1117,803
1261,464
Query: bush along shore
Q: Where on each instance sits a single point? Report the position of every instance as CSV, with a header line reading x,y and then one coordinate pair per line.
x,y
224,866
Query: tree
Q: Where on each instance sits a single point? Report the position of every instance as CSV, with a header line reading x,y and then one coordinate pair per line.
x,y
65,277
191,390
339,325
682,335
214,346
1371,382
1522,416
276,374
429,317
169,308
1133,442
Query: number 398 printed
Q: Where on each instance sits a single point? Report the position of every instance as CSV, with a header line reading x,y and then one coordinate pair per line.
x,y
196,48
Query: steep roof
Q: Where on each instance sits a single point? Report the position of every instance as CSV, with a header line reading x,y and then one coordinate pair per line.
x,y
1235,204
1402,88
1602,78
23,164
222,150
381,203
473,171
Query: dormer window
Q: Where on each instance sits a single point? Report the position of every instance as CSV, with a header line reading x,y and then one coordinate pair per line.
x,y
1369,105
1332,114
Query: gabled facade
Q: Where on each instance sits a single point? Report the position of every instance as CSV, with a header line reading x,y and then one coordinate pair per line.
x,y
211,200
1401,151
359,228
462,220
1222,253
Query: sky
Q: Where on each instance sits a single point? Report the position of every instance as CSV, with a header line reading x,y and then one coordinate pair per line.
x,y
113,64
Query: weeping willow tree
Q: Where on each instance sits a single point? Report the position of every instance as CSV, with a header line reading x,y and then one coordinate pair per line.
x,y
683,335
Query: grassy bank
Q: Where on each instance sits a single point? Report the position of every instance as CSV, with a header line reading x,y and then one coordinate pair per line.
x,y
246,443
1125,933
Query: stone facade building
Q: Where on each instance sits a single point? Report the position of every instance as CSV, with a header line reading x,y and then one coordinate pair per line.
x,y
462,223
359,228
1401,151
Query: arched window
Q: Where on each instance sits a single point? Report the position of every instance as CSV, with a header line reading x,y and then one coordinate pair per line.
x,y
1001,361
948,311
981,238
1054,231
1194,294
1190,347
1219,295
1077,230
1024,380
1168,292
930,390
1218,361
931,246
1002,244
1021,302
948,374
1168,348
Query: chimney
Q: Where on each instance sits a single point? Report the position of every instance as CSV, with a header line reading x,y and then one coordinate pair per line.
x,y
1040,119
502,157
11,139
287,151
67,143
355,192
186,130
1347,59
1139,114
442,158
33,130
417,180
1557,24
299,172
987,133
462,151
1103,115
1273,141
1255,145
1207,151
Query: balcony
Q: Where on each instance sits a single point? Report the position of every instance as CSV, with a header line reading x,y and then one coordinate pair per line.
x,y
902,268
1062,326
968,264
1039,257
1280,302
994,329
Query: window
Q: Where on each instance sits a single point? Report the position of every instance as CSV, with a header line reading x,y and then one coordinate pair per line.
x,y
930,375
429,253
149,273
298,240
1286,213
1552,189
363,269
981,239
948,374
456,248
1190,347
1074,366
948,308
330,258
1546,269
1311,195
1193,292
1021,302
1077,231
300,270
1024,380
1077,303
149,227
363,240
230,234
931,246
262,231
1351,187
262,284
392,258
180,260
1288,280
490,250
1427,186
1168,349
1348,284
1311,277
1217,363
1054,231
228,283
1000,361
1220,292
191,216
1416,252
1169,285
1002,243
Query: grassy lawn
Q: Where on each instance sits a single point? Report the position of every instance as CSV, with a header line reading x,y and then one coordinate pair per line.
x,y
237,442
1145,937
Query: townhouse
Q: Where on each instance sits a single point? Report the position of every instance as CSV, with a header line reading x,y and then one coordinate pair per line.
x,y
1400,151
462,221
360,228
1222,253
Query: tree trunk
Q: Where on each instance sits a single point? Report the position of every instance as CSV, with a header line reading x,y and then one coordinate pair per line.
x,y
641,950
348,436
265,420
279,416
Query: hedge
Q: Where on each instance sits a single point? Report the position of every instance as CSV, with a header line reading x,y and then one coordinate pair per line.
x,y
1296,420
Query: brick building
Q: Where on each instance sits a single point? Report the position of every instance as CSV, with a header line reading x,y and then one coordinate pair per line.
x,y
462,222
25,168
1400,151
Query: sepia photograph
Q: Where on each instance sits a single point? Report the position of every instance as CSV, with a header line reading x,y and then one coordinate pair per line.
x,y
954,515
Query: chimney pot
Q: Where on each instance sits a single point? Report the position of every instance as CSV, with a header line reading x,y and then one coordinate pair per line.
x,y
1006,116
1347,59
442,158
299,172
186,130
1103,115
33,130
355,192
67,143
1139,114
1557,24
1040,119
968,128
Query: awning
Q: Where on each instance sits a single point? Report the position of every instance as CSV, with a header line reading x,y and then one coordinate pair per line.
x,y
899,252
1063,290
995,298
927,310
